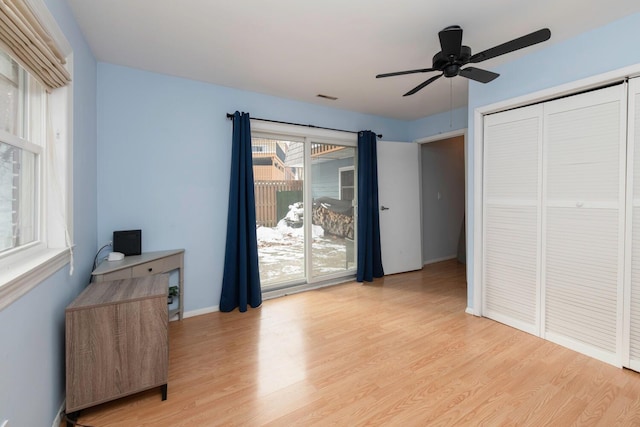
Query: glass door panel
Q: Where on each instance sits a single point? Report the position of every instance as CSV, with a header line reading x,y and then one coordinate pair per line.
x,y
278,184
333,192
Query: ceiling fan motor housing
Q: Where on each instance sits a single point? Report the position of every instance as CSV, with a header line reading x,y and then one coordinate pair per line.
x,y
450,65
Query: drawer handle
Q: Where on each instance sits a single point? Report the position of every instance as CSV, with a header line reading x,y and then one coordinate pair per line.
x,y
150,270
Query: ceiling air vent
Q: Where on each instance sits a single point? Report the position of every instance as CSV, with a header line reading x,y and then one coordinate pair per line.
x,y
332,98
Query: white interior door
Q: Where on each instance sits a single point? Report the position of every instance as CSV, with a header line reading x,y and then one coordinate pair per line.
x,y
399,196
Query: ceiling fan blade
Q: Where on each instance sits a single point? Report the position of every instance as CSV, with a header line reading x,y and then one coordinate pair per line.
x,y
401,73
478,74
510,46
451,40
422,85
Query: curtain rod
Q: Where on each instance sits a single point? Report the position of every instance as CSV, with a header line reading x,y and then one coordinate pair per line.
x,y
230,117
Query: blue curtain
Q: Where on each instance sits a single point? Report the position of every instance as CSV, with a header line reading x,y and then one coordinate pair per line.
x,y
369,253
241,279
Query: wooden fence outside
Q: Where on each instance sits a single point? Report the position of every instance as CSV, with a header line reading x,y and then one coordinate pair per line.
x,y
266,193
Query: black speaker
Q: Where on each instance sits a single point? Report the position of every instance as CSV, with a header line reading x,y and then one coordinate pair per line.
x,y
128,242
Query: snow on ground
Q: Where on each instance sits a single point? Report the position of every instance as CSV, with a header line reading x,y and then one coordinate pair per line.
x,y
282,234
281,252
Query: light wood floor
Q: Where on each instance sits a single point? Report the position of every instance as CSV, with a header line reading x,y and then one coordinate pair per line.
x,y
400,351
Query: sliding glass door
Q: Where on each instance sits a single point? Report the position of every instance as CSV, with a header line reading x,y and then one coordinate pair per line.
x,y
278,186
305,194
333,191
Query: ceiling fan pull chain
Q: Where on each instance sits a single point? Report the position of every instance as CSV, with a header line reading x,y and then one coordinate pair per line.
x,y
450,103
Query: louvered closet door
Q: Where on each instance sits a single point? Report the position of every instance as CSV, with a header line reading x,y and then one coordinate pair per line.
x,y
511,231
583,222
632,296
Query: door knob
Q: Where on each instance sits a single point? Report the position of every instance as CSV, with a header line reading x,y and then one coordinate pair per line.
x,y
384,208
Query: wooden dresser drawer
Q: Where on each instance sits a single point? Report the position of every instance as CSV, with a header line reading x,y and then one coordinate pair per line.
x,y
172,262
114,275
147,269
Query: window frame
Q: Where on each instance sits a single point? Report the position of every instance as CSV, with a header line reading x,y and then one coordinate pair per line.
x,y
25,267
27,140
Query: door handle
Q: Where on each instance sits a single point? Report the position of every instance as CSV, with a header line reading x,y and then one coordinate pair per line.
x,y
384,208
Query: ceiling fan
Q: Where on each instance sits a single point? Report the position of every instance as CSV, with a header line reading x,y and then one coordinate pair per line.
x,y
454,56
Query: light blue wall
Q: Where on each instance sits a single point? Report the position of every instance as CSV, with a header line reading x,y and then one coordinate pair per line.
x,y
604,49
32,333
438,124
162,155
164,148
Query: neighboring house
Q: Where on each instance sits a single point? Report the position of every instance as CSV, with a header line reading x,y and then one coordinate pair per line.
x,y
295,160
269,160
332,169
332,175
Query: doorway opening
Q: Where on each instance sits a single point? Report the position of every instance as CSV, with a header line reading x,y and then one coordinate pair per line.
x,y
443,197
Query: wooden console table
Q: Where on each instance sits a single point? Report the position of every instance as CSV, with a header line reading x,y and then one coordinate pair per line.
x,y
117,342
145,264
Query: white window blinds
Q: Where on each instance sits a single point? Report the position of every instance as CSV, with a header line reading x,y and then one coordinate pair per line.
x,y
25,37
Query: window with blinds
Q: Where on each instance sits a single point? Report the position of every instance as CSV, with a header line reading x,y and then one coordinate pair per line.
x,y
31,44
35,148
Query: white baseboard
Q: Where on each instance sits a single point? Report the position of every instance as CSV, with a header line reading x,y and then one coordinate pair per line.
x,y
266,295
470,310
58,419
201,311
434,260
270,294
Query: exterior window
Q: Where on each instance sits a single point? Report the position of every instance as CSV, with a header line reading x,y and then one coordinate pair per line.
x,y
36,171
347,183
22,104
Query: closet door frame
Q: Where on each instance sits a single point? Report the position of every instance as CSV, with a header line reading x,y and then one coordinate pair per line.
x,y
633,89
475,269
476,149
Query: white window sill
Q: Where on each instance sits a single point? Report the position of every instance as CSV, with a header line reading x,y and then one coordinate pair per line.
x,y
19,276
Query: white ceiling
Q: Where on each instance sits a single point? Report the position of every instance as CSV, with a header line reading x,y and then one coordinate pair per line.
x,y
297,49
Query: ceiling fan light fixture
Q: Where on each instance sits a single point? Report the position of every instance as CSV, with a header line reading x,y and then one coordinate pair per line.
x,y
451,70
